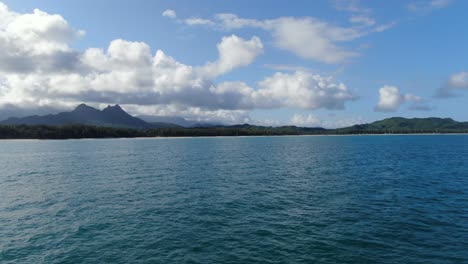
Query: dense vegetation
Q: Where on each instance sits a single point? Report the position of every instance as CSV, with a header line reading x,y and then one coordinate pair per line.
x,y
84,131
399,125
395,125
65,132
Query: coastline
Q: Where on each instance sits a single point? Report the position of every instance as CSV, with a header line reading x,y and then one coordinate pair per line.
x,y
251,136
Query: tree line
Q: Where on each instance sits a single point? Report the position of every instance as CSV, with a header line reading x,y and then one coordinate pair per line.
x,y
86,131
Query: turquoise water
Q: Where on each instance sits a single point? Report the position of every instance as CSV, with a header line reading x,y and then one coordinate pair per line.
x,y
349,199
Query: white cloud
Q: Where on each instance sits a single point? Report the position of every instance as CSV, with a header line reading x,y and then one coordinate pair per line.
x,y
169,13
301,90
234,52
192,21
168,82
39,32
307,37
311,120
305,120
198,114
35,41
313,39
197,21
48,73
390,100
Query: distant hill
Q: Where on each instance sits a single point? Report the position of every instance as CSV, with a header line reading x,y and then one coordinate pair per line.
x,y
396,125
111,116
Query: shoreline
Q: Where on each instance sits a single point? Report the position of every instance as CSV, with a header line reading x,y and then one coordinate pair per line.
x,y
253,136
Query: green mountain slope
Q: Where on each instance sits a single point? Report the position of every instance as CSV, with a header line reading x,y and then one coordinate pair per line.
x,y
407,125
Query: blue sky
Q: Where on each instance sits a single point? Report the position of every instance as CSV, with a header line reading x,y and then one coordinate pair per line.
x,y
282,62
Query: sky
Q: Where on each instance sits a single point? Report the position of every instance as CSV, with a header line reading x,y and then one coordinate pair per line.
x,y
329,63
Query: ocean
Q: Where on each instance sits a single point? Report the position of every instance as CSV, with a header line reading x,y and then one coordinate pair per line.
x,y
291,199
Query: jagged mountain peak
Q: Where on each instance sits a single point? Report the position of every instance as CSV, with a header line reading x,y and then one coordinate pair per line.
x,y
83,106
115,109
111,116
84,109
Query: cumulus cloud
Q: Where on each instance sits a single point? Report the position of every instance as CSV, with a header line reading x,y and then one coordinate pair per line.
x,y
234,52
169,13
198,114
301,90
35,42
390,100
49,74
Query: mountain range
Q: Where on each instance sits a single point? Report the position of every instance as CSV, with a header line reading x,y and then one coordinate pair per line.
x,y
116,117
111,116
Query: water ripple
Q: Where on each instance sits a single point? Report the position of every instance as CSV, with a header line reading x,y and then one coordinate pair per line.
x,y
395,199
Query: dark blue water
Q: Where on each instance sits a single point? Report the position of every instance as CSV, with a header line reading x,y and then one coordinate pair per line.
x,y
356,199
